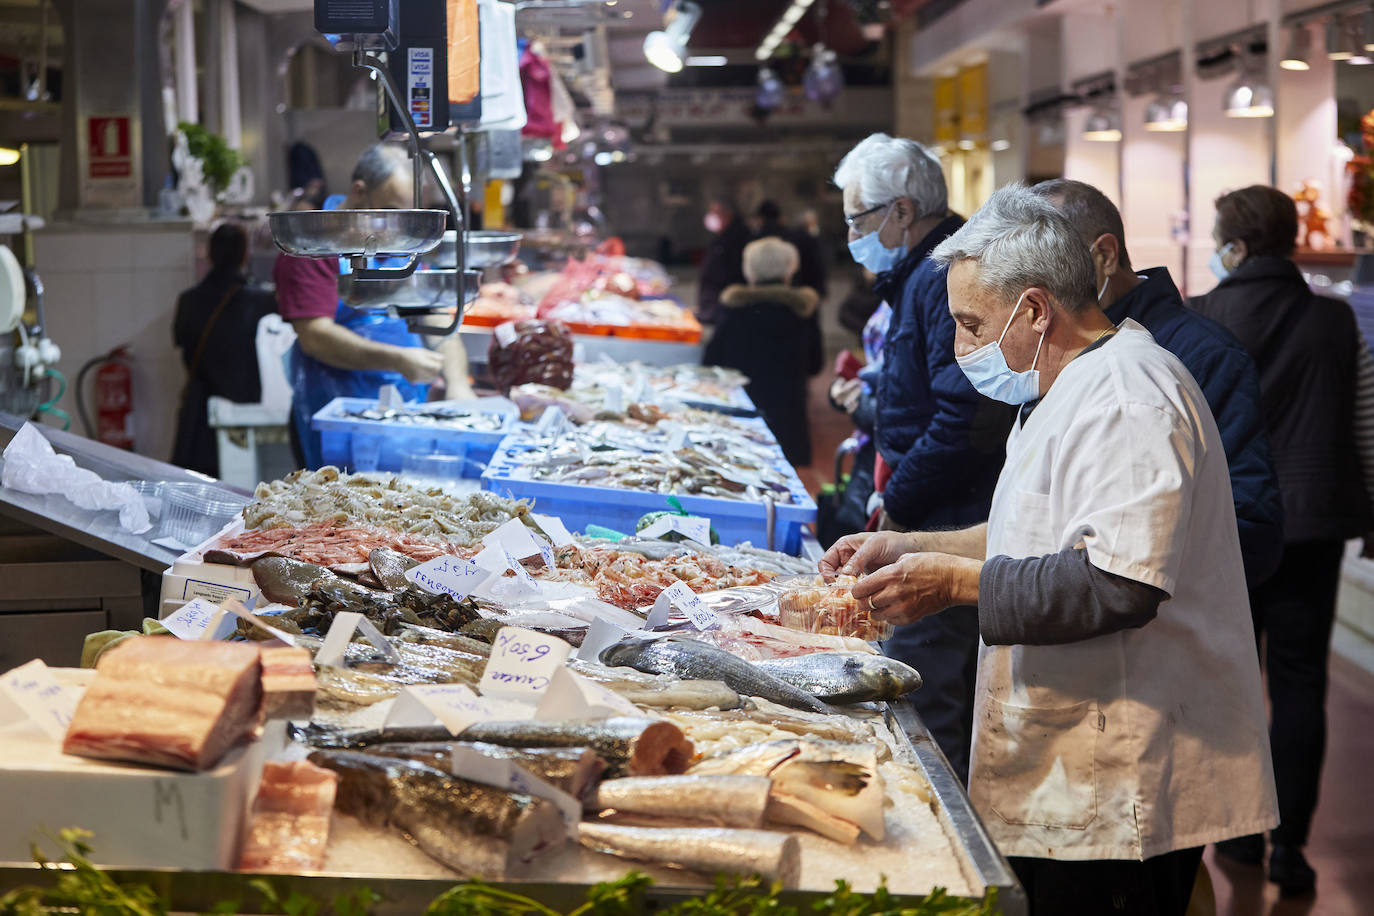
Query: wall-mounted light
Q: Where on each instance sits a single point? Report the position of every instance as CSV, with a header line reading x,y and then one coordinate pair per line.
x,y
1299,49
1337,40
8,155
708,60
789,18
1167,114
666,49
1249,97
999,146
1103,125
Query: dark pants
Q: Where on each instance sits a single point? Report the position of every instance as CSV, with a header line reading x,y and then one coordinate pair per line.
x,y
1293,612
943,648
1160,886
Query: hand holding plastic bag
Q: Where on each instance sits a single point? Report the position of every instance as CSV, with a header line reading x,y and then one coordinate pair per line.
x,y
31,466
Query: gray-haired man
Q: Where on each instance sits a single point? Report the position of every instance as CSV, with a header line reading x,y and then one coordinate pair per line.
x,y
1119,724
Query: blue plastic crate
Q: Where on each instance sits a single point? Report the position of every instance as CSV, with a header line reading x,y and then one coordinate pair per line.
x,y
378,445
579,505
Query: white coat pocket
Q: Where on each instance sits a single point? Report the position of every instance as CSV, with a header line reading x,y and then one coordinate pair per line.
x,y
1035,766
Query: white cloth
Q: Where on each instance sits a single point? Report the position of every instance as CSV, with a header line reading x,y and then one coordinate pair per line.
x,y
1147,740
503,98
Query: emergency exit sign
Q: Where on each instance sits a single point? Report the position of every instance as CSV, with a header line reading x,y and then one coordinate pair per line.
x,y
111,152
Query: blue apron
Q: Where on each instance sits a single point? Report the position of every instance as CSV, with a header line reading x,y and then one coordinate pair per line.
x,y
315,384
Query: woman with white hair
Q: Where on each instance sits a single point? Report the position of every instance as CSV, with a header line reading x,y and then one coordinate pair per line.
x,y
1120,725
939,442
765,332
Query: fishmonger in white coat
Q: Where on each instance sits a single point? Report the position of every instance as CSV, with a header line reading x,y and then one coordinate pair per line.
x,y
1119,724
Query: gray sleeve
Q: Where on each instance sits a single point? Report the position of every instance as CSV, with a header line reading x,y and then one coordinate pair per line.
x,y
1056,599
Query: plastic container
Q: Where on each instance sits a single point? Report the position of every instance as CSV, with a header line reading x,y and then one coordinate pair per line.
x,y
355,444
579,505
151,491
830,610
435,469
193,512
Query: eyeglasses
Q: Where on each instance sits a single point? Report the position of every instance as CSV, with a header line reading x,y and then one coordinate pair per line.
x,y
851,220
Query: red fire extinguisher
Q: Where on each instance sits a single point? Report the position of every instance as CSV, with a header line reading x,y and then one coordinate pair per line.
x,y
114,399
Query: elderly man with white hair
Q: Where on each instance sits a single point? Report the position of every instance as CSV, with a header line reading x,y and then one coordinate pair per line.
x,y
1119,724
939,442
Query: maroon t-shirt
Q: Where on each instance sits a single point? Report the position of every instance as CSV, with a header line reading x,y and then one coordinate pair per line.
x,y
306,287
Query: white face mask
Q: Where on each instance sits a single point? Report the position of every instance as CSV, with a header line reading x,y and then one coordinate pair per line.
x,y
987,370
1218,266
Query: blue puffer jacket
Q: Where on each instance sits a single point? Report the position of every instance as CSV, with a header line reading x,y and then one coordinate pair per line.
x,y
1230,382
944,441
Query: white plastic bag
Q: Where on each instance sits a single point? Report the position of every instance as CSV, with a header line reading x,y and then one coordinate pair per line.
x,y
31,466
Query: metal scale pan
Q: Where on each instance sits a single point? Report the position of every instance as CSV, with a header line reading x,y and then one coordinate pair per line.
x,y
484,248
357,233
424,289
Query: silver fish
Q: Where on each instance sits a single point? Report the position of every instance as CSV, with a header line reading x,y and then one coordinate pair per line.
x,y
720,801
575,770
845,677
472,828
775,856
690,658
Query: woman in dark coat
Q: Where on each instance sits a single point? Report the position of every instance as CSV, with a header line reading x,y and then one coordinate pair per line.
x,y
765,332
1305,347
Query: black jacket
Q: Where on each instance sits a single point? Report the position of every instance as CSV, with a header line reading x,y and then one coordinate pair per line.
x,y
228,366
1304,347
722,267
1228,379
767,333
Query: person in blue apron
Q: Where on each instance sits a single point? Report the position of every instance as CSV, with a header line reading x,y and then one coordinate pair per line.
x,y
342,351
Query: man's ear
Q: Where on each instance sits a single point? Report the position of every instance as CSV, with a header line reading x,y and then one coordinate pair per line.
x,y
1041,306
903,212
1106,252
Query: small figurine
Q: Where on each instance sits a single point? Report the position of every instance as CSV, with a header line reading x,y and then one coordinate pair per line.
x,y
1312,219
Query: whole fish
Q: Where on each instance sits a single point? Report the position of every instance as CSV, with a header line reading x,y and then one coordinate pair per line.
x,y
390,568
630,746
845,677
575,770
474,829
690,658
775,856
721,801
288,581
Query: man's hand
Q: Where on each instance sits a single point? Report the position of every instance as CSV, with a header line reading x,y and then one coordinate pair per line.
x,y
845,394
918,585
856,554
419,365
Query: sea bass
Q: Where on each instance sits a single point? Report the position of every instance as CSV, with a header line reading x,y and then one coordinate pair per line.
x,y
845,677
474,829
775,856
690,658
631,746
720,801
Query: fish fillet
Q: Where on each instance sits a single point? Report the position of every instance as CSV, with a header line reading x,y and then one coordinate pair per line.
x,y
289,829
721,801
775,856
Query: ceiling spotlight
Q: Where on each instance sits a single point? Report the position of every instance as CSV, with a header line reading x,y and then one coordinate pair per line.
x,y
602,158
1337,43
1168,113
1103,126
999,146
666,49
770,91
1249,97
709,60
8,155
823,80
1299,49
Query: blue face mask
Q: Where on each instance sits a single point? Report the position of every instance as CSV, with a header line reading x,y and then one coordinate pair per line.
x,y
868,250
1219,268
987,370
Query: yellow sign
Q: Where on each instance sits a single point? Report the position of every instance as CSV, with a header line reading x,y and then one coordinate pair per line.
x,y
973,102
946,110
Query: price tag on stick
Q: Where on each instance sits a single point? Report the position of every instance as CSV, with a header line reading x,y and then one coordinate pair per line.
x,y
449,576
340,634
199,619
455,706
522,662
678,595
505,774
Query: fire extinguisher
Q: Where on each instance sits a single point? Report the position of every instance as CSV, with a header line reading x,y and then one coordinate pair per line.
x,y
114,398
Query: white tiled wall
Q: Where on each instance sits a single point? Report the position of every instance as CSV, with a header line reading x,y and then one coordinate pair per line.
x,y
118,284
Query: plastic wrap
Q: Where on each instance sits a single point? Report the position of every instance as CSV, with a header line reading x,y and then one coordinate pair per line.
x,y
31,466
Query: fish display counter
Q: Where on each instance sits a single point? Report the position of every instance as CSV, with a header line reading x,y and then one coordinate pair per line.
x,y
430,687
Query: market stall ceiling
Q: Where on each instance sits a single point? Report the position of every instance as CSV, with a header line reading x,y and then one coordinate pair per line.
x,y
21,30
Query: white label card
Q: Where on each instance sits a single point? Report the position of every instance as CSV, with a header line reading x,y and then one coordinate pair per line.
x,y
552,423
689,526
505,333
678,595
572,696
34,688
514,537
510,776
522,662
600,634
199,619
238,610
553,526
521,573
389,398
455,706
340,634
615,399
449,576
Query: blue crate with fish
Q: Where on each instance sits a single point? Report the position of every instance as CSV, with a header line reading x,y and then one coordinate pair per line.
x,y
356,434
615,494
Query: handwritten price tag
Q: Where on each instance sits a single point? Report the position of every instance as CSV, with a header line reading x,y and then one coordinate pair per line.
x,y
615,399
455,706
514,537
340,634
679,596
522,574
689,526
508,775
552,423
449,576
553,526
522,662
199,619
33,687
